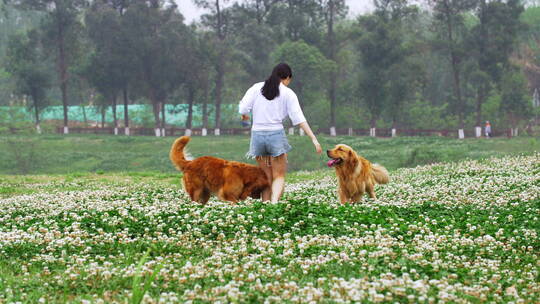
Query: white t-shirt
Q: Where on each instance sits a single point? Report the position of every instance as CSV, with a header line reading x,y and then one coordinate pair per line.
x,y
268,115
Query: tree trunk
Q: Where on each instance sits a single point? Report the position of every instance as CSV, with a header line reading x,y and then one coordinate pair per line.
x,y
457,90
482,89
85,119
205,113
36,113
121,10
219,86
63,74
103,116
332,56
115,121
332,96
373,128
480,97
189,120
126,115
163,118
220,68
513,124
454,60
156,109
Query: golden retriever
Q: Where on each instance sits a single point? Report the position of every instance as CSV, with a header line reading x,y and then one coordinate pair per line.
x,y
229,180
356,175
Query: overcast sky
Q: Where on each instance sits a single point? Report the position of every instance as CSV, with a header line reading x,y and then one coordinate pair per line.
x,y
191,12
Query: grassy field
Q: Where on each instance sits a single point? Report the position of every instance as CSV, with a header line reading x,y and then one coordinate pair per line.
x,y
74,154
460,232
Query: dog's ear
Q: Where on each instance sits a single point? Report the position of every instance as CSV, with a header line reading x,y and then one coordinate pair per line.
x,y
350,153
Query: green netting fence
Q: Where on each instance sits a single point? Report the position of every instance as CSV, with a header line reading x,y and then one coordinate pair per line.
x,y
139,114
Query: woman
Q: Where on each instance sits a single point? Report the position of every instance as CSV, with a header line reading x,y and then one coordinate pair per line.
x,y
271,102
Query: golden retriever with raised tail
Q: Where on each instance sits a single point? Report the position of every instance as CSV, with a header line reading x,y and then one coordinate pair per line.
x,y
356,175
229,180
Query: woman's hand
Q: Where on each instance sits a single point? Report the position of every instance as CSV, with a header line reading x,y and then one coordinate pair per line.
x,y
317,145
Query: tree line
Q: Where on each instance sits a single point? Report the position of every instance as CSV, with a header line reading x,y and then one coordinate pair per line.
x,y
427,65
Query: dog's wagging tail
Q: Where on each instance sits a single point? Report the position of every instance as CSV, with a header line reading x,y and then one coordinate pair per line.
x,y
177,152
380,174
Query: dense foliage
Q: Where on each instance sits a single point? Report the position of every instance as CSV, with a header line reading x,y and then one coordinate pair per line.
x,y
392,67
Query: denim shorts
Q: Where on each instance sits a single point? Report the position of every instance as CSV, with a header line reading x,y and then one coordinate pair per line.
x,y
268,143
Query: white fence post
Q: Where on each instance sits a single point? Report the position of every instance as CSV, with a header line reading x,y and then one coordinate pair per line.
x,y
461,134
333,131
478,131
291,131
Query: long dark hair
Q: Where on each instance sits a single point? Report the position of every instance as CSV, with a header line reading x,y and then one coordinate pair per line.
x,y
270,90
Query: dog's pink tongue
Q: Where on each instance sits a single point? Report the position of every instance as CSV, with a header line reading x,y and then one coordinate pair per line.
x,y
332,162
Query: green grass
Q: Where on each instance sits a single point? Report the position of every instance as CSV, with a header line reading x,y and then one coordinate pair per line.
x,y
72,154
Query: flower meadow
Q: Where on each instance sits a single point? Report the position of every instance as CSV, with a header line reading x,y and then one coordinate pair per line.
x,y
464,232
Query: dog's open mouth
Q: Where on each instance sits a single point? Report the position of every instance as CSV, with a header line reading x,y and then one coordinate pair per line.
x,y
334,161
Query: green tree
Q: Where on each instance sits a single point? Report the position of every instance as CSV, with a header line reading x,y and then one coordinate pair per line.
x,y
515,101
157,35
452,31
528,54
310,67
197,84
332,11
381,83
253,39
13,21
62,30
28,66
296,20
105,24
219,21
106,69
406,74
493,40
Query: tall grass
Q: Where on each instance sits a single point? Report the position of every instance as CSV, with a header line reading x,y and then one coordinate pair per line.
x,y
139,290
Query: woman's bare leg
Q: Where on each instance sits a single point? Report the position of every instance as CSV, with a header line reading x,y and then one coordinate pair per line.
x,y
279,169
264,162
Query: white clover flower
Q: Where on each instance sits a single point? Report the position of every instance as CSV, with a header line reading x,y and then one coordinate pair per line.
x,y
240,253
